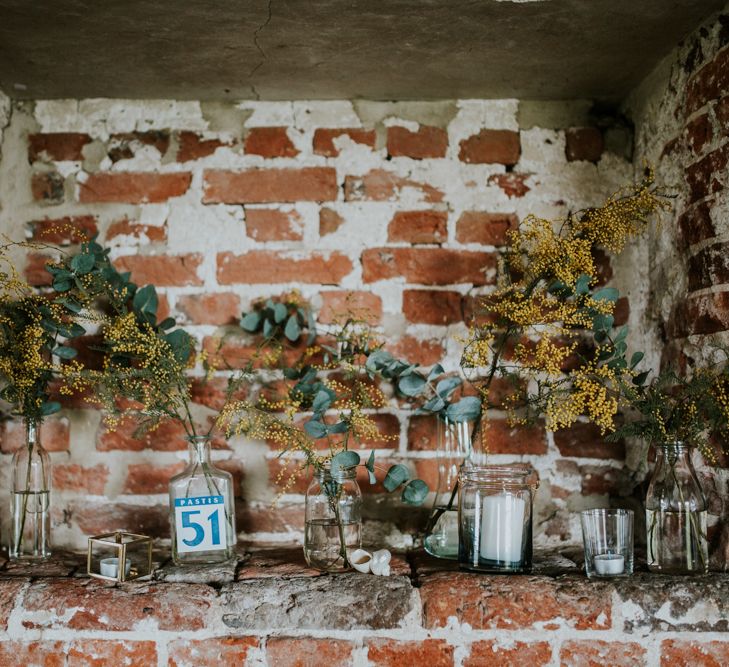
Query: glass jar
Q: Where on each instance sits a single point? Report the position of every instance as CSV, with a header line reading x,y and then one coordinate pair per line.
x,y
495,518
676,514
333,519
30,490
202,512
453,451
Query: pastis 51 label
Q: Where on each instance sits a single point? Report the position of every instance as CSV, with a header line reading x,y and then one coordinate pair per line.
x,y
200,524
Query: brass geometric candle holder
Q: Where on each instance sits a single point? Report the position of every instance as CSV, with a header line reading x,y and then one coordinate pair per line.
x,y
119,556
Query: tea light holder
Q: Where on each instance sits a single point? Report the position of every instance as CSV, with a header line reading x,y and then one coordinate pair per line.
x,y
607,535
119,556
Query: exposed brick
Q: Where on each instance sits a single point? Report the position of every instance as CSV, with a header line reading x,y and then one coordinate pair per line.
x,y
495,602
162,270
265,266
191,146
83,604
213,651
47,187
599,480
219,309
271,224
418,227
622,311
54,433
64,231
125,145
416,350
513,184
269,142
169,436
584,440
324,139
583,143
212,393
708,83
151,233
381,185
9,590
485,228
93,518
597,653
707,175
329,221
395,653
57,146
685,653
428,266
492,653
261,186
133,188
704,314
501,438
491,147
35,271
426,142
44,653
146,478
103,652
339,305
308,652
695,224
709,266
257,518
75,477
722,115
699,133
422,433
432,306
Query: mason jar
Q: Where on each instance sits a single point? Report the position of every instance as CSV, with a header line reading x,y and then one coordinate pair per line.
x,y
333,517
495,518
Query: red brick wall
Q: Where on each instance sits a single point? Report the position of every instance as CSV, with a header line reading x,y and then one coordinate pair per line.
x,y
682,126
405,209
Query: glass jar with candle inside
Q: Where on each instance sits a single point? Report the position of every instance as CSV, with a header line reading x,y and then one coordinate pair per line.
x,y
495,518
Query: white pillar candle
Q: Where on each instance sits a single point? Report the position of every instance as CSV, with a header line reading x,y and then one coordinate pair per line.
x,y
609,564
502,527
109,567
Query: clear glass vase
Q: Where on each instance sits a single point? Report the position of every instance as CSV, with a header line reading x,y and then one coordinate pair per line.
x,y
676,514
202,511
453,452
30,490
333,520
495,518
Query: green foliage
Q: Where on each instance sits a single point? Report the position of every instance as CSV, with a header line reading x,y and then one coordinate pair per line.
x,y
280,321
673,407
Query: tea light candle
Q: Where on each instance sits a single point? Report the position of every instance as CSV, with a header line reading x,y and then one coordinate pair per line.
x,y
109,567
502,528
609,564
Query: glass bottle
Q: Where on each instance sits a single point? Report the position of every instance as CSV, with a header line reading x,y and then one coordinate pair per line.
x,y
453,451
495,518
202,512
676,514
333,519
30,489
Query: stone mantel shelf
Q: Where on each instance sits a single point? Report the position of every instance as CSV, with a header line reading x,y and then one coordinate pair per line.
x,y
271,593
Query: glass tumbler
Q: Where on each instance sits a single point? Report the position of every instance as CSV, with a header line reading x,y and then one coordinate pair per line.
x,y
608,538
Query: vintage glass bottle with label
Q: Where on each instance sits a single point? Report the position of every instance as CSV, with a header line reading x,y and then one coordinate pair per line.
x,y
202,513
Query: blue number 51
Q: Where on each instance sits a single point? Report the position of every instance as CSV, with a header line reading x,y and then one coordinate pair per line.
x,y
187,522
